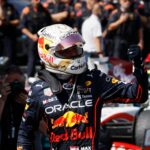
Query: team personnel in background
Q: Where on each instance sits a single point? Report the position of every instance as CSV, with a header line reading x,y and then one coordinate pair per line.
x,y
33,17
124,28
83,9
92,34
144,11
69,97
63,9
9,20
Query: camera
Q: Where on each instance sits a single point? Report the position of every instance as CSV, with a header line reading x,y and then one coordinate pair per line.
x,y
16,87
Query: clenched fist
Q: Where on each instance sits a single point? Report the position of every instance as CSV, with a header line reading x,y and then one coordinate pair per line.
x,y
135,55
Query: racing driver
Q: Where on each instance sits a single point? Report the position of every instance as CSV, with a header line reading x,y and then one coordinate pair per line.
x,y
69,97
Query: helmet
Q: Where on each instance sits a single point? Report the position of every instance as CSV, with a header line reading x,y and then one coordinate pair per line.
x,y
60,49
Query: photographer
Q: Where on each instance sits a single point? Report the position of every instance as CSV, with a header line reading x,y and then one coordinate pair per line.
x,y
12,102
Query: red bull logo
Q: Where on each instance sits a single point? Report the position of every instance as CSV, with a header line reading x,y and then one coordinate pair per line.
x,y
73,135
69,119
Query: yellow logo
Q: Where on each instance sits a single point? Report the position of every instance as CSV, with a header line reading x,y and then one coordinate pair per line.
x,y
26,107
88,83
114,80
70,119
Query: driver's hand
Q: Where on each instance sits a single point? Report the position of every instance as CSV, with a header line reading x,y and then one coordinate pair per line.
x,y
135,55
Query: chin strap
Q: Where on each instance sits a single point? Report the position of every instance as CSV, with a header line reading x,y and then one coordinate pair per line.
x,y
54,84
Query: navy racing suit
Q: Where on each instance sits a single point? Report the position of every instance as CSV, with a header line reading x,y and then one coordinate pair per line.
x,y
72,109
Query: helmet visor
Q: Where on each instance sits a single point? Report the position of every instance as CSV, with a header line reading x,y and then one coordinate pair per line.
x,y
70,47
69,53
71,40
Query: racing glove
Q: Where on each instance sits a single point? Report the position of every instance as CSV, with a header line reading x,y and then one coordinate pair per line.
x,y
135,55
140,72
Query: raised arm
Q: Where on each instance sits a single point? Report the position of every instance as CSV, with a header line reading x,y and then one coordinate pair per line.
x,y
113,90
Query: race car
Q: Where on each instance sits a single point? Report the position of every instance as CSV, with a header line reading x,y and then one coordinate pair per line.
x,y
129,124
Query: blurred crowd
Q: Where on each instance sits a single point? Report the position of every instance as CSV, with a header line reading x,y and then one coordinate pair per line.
x,y
108,28
118,24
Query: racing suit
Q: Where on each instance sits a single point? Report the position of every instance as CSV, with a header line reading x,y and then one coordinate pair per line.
x,y
72,109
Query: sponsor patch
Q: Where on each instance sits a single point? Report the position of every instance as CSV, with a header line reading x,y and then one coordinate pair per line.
x,y
114,80
26,107
70,119
73,105
83,90
88,83
73,135
74,147
39,85
86,148
49,100
48,92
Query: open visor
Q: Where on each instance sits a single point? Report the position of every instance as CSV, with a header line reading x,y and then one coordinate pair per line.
x,y
70,47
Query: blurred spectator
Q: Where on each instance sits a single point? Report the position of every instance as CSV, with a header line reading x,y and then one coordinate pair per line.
x,y
92,34
87,10
147,28
9,19
144,11
12,102
108,6
61,11
33,17
83,9
78,6
124,28
49,4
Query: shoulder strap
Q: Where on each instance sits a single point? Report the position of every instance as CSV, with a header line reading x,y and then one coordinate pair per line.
x,y
54,84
